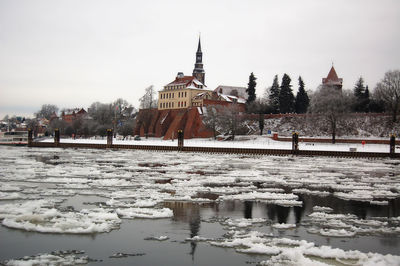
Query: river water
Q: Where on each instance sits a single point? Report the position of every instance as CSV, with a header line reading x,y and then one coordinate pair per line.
x,y
196,209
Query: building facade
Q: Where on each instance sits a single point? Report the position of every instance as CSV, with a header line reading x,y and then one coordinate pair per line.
x,y
180,93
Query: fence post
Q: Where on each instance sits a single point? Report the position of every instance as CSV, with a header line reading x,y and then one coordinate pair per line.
x,y
56,137
392,144
180,140
30,136
295,142
109,138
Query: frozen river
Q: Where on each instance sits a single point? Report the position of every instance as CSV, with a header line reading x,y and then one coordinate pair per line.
x,y
126,207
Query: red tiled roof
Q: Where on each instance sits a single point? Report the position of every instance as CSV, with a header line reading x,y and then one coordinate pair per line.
x,y
332,75
332,78
183,80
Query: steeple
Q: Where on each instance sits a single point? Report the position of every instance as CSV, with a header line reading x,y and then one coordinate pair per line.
x,y
198,71
199,47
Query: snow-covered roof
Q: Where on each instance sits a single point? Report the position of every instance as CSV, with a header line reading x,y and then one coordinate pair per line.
x,y
230,98
189,82
230,90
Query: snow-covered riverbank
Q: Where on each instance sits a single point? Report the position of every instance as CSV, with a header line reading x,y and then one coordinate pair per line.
x,y
255,142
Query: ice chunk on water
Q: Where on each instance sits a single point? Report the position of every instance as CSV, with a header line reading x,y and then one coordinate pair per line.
x,y
145,213
310,192
337,232
55,258
243,222
322,209
158,238
285,251
283,226
29,207
46,220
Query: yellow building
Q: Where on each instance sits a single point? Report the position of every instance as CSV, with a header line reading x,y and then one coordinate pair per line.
x,y
180,93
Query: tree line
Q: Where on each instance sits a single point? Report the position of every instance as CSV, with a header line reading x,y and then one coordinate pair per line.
x,y
118,115
279,98
327,104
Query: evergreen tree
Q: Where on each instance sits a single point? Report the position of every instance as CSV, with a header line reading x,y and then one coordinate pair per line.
x,y
361,96
251,89
366,99
286,97
359,88
366,93
274,95
302,100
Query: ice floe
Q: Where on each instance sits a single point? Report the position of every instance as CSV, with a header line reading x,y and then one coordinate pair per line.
x,y
283,226
284,251
148,213
50,220
69,257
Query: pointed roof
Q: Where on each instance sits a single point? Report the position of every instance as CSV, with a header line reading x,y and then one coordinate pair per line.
x,y
332,75
332,78
199,46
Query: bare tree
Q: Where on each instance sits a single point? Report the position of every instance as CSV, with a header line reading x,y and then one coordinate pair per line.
x,y
388,90
230,119
127,128
101,113
46,111
211,118
331,105
122,112
148,101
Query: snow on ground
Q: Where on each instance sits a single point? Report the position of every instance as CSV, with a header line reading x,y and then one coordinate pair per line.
x,y
251,142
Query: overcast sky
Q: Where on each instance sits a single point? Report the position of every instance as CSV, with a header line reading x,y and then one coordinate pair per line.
x,y
73,53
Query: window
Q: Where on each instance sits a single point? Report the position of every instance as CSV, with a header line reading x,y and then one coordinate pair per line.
x,y
185,95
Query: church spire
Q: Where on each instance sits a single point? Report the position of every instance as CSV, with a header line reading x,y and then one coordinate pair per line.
x,y
198,71
199,47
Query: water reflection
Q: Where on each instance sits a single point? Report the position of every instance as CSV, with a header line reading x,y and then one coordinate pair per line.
x,y
188,213
248,209
192,214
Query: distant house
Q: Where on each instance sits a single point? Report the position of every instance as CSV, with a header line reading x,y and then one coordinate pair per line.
x,y
233,91
69,115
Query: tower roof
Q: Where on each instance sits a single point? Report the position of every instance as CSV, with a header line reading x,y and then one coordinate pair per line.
x,y
332,78
332,75
199,46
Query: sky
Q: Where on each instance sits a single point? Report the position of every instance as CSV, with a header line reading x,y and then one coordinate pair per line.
x,y
75,52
